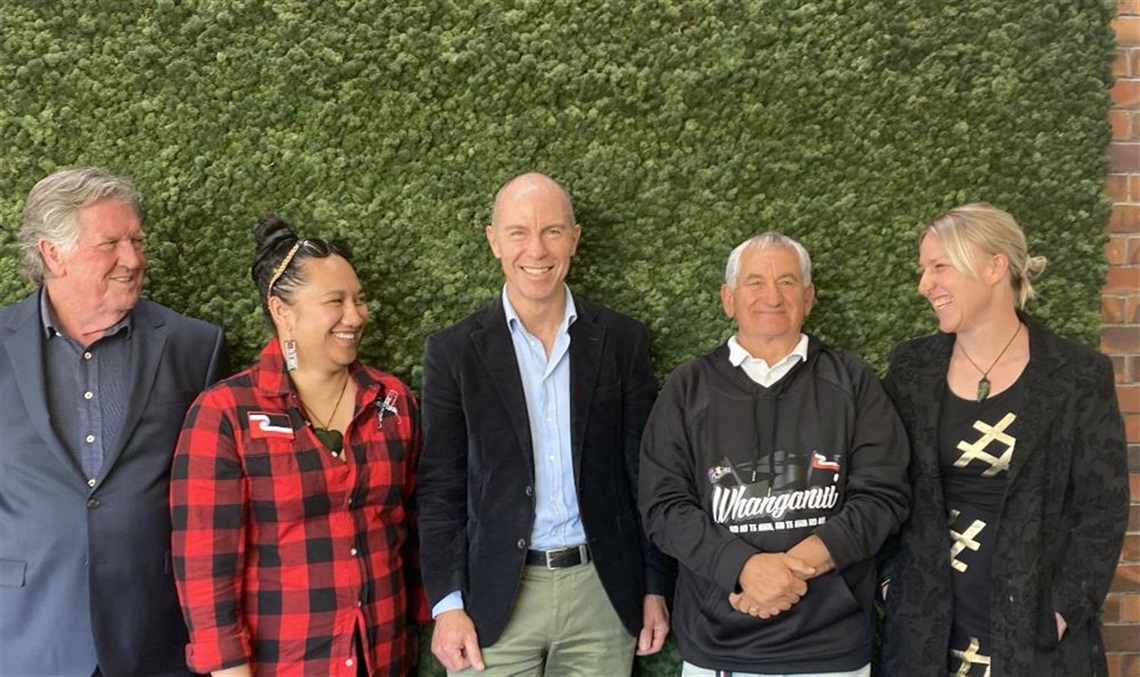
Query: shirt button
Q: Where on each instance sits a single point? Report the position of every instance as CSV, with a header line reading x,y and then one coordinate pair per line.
x,y
359,602
91,482
92,504
530,491
352,552
551,457
89,439
87,355
88,395
348,662
522,544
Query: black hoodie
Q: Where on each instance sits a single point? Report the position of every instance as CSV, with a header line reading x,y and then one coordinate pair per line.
x,y
730,468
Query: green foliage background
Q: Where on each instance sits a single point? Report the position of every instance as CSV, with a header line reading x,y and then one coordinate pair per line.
x,y
681,127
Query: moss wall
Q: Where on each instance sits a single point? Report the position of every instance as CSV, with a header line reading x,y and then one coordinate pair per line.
x,y
681,128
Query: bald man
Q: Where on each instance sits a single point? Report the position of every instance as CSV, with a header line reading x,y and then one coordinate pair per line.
x,y
533,553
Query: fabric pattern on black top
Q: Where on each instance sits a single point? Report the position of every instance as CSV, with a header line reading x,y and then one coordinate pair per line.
x,y
976,444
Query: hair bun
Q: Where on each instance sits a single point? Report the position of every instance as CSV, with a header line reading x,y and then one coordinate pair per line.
x,y
270,233
1034,266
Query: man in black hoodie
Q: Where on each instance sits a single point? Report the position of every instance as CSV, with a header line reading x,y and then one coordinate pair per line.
x,y
773,469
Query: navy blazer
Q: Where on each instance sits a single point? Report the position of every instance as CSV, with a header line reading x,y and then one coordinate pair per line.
x,y
476,474
78,562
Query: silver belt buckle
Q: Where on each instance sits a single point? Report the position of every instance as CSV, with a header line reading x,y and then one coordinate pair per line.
x,y
550,555
583,555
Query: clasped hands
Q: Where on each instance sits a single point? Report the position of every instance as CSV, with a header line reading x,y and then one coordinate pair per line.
x,y
770,583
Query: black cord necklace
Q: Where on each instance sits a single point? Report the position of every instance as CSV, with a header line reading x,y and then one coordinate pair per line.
x,y
328,436
984,381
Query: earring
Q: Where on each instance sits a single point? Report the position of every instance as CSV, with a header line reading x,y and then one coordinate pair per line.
x,y
290,354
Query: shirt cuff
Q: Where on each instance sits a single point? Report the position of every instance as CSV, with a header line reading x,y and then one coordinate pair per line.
x,y
453,601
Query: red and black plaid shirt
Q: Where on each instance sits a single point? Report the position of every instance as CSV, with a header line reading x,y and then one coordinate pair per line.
x,y
283,553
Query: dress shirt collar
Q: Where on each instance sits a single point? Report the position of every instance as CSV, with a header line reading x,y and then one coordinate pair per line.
x,y
759,370
51,324
515,323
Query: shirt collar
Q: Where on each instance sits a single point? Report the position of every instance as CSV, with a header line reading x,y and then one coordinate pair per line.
x,y
514,323
51,324
737,353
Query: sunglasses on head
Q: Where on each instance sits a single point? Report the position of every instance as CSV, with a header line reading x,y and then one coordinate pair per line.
x,y
316,247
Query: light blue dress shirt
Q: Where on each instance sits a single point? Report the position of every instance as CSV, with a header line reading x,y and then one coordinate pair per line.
x,y
546,385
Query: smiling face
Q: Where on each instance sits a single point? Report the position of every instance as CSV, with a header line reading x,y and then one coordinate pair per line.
x,y
93,285
534,236
961,300
769,302
327,315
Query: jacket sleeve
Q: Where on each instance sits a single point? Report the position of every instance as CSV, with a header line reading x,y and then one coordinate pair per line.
x,y
442,494
886,557
877,493
670,506
1097,510
207,501
218,367
640,390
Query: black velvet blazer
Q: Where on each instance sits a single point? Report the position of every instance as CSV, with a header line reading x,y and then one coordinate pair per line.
x,y
1061,525
476,474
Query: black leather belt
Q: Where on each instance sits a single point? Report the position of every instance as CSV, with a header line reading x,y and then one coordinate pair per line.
x,y
562,558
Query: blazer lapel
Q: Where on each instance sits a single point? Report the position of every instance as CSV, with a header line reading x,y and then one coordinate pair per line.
x,y
148,341
1044,396
586,341
25,348
928,385
492,341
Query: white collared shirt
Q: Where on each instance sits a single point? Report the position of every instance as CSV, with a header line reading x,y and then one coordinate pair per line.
x,y
758,369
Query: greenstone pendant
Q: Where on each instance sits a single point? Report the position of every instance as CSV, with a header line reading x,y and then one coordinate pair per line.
x,y
983,388
330,438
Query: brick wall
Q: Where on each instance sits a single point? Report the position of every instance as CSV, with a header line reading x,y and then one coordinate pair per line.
x,y
1120,338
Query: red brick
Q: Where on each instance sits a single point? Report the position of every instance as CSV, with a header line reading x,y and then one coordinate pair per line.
x,y
1132,310
1120,368
1134,486
1121,121
1126,93
1131,550
1132,368
1116,250
1116,186
1112,309
1127,30
1134,61
1125,218
1134,519
1129,665
1110,610
1121,637
1123,157
1125,7
1132,427
1134,179
1120,340
1129,398
1121,66
1114,662
1133,257
1129,608
1122,280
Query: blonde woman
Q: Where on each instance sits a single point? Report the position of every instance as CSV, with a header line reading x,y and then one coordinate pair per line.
x,y
1018,469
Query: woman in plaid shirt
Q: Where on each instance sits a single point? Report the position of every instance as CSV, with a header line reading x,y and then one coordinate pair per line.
x,y
291,487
